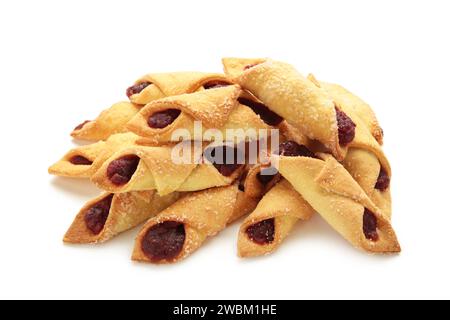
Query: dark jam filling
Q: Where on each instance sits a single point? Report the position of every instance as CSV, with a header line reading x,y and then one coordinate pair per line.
x,y
265,179
383,180
249,66
164,241
80,160
96,216
262,232
370,225
225,159
268,116
137,88
293,149
81,125
162,119
121,170
346,128
242,178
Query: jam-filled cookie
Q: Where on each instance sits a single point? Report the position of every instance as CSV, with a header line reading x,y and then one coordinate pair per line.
x,y
217,109
109,214
330,189
269,224
153,168
182,228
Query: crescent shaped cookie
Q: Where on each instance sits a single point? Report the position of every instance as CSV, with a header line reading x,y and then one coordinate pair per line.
x,y
84,161
109,214
108,122
183,227
153,168
343,96
270,223
328,187
160,85
300,102
217,109
365,159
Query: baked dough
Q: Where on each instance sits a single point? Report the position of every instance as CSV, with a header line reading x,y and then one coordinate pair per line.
x,y
174,83
110,121
328,187
282,204
96,153
253,187
127,211
286,130
343,96
299,101
233,67
157,171
215,108
203,214
365,157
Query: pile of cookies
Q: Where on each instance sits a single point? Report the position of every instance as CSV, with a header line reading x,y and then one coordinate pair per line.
x,y
329,161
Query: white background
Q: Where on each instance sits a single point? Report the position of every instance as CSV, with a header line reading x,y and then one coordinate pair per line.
x,y
62,62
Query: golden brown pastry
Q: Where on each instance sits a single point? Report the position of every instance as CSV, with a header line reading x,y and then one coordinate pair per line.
x,y
153,168
160,85
269,224
261,175
110,214
110,121
181,229
83,161
216,109
366,169
344,97
328,187
233,67
365,160
300,102
257,182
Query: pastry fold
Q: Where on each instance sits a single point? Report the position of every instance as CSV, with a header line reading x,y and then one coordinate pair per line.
x,y
157,170
342,96
121,212
197,216
295,98
256,184
365,159
286,130
233,67
92,156
108,122
275,216
161,85
327,186
215,108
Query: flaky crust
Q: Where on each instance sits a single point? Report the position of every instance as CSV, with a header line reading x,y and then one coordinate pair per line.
x,y
157,171
110,121
215,108
328,187
283,204
127,211
286,92
172,84
203,213
97,152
